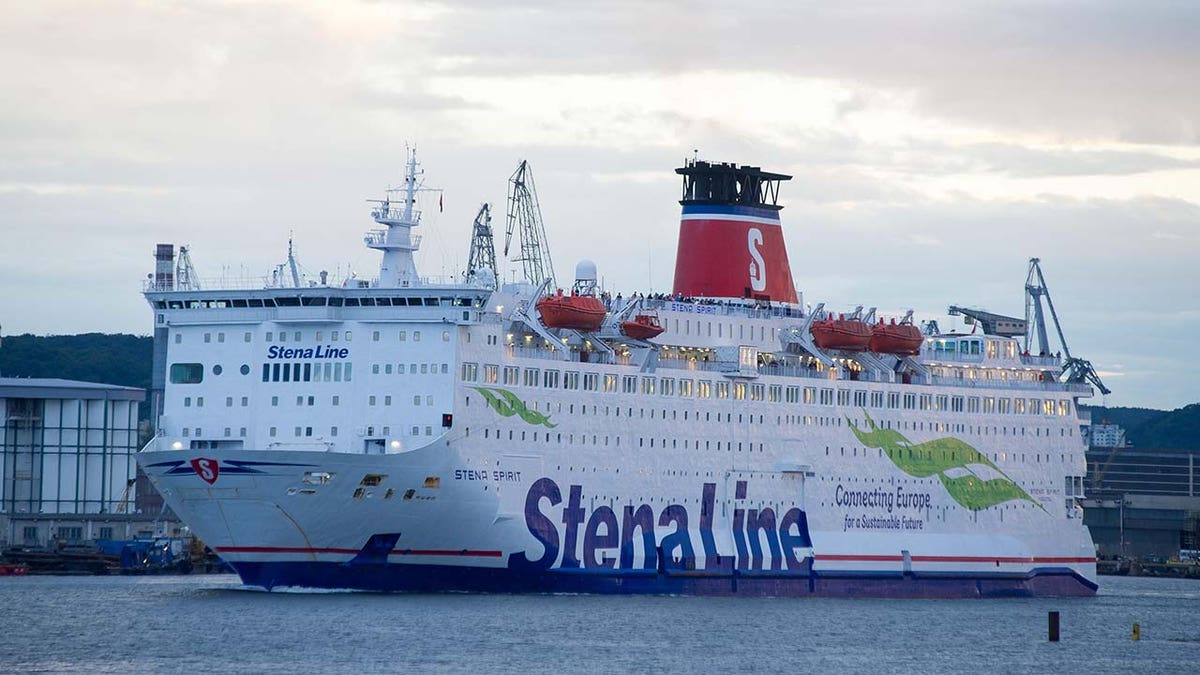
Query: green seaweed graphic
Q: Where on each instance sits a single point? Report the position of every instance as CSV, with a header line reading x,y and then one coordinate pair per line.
x,y
936,457
508,404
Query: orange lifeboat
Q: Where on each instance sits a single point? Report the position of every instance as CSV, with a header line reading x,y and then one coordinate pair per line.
x,y
849,335
643,327
578,312
903,339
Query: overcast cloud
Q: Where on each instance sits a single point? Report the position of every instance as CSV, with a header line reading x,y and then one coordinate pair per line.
x,y
936,147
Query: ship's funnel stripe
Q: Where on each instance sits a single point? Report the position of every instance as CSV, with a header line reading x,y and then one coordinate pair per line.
x,y
717,217
750,211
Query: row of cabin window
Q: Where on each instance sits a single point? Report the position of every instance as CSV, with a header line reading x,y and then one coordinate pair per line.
x,y
668,386
187,432
318,336
643,441
399,369
705,329
328,371
315,301
987,374
307,432
998,457
942,427
303,401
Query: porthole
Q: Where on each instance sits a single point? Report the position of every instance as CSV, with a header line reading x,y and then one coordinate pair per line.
x,y
217,369
245,369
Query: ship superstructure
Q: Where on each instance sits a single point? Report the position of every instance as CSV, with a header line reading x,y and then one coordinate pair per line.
x,y
408,435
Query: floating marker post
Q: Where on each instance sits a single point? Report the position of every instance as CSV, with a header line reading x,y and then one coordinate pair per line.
x,y
1137,632
1053,618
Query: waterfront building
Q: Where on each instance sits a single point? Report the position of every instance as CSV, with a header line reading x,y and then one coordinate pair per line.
x,y
1143,502
1105,435
67,472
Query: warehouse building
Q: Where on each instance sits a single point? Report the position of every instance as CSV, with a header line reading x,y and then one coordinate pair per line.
x,y
1143,502
67,468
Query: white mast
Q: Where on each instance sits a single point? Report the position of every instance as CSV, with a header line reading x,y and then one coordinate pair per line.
x,y
397,241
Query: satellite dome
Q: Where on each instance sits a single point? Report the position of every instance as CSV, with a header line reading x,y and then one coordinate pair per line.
x,y
485,277
585,270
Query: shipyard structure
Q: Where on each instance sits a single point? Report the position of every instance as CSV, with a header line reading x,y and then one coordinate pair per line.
x,y
67,469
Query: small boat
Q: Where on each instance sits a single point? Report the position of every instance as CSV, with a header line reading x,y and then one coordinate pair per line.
x,y
642,327
578,312
901,339
849,335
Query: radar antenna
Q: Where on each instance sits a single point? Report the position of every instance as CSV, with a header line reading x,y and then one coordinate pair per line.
x,y
483,247
185,274
291,262
1036,341
523,210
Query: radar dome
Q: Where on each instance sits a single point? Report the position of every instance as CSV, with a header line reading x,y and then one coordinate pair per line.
x,y
585,270
484,276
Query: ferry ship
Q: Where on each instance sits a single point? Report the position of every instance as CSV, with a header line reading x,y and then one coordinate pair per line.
x,y
404,434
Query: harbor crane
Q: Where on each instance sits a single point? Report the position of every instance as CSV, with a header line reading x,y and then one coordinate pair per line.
x,y
483,248
993,324
525,212
1033,328
1075,369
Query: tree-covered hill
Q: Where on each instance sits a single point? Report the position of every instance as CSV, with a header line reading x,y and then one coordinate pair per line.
x,y
90,357
1149,428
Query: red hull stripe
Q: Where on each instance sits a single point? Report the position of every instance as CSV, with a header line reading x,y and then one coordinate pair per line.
x,y
353,551
951,559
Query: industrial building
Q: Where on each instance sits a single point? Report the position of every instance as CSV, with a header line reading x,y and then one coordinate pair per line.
x,y
1143,502
67,468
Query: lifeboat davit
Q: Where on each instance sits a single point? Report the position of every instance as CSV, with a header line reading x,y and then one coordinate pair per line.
x,y
849,335
642,327
577,312
901,339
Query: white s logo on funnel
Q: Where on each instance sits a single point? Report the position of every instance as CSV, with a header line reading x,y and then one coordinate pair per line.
x,y
758,271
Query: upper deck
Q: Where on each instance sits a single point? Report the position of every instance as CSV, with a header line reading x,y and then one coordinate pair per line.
x,y
315,303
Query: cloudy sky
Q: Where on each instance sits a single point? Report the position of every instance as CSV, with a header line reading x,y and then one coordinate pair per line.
x,y
936,147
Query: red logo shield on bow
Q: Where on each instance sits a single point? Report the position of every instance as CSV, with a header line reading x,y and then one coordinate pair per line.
x,y
207,469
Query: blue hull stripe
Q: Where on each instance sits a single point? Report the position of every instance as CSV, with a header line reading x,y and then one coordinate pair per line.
x,y
444,578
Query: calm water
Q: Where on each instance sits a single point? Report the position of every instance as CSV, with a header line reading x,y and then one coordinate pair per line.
x,y
211,624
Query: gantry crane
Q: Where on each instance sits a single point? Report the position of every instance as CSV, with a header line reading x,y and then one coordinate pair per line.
x,y
483,247
1036,341
524,211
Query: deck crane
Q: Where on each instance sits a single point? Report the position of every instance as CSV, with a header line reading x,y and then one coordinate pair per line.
x,y
993,324
524,211
1036,341
483,249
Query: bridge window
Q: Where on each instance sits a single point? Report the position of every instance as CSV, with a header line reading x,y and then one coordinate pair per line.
x,y
187,373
